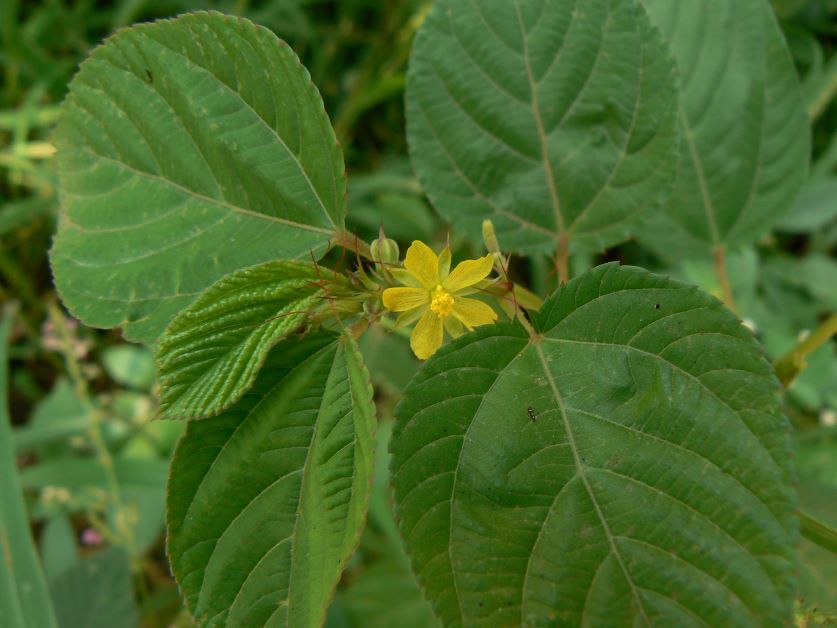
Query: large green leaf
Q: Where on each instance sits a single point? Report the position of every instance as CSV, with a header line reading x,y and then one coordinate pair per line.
x,y
628,464
267,501
188,148
211,353
24,600
554,120
745,130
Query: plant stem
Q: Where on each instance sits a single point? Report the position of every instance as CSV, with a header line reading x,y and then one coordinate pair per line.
x,y
821,90
353,243
818,532
790,364
121,526
719,255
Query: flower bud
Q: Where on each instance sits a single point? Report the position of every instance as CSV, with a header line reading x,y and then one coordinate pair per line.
x,y
384,250
490,238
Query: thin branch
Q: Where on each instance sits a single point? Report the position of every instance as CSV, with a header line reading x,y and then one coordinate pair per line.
x,y
790,364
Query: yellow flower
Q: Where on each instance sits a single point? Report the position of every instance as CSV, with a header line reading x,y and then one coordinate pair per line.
x,y
434,296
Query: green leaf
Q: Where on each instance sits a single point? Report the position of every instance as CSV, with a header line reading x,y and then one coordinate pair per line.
x,y
555,121
814,209
266,502
744,154
57,417
58,545
24,601
130,366
385,595
211,353
628,464
96,593
188,148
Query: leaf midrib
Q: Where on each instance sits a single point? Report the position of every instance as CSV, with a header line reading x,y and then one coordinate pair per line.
x,y
583,477
542,136
200,197
697,162
210,469
249,107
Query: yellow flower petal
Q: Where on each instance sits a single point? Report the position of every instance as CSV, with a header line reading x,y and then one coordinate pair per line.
x,y
409,317
405,278
403,299
421,262
468,273
473,313
427,335
453,326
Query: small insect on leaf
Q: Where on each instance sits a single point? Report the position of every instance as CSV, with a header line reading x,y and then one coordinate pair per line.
x,y
149,76
532,414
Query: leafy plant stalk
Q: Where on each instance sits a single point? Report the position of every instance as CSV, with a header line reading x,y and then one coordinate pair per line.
x,y
818,533
123,533
790,364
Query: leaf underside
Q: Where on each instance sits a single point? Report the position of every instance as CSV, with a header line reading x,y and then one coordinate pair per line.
x,y
188,148
629,466
266,502
553,118
746,137
211,352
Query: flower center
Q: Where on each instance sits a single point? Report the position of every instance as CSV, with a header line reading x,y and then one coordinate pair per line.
x,y
441,302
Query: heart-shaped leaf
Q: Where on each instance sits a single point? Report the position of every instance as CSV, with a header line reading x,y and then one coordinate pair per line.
x,y
625,464
211,352
188,148
555,120
744,154
266,502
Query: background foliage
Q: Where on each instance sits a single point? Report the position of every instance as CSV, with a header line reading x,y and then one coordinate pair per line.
x,y
93,466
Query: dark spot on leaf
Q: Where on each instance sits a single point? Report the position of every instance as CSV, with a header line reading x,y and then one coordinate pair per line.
x,y
148,76
532,414
656,306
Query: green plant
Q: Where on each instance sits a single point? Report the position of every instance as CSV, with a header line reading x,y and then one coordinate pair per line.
x,y
617,454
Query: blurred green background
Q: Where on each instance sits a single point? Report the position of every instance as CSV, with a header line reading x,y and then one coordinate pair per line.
x,y
93,464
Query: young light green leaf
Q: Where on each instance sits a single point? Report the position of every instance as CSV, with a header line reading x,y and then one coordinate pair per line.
x,y
130,366
211,353
553,120
24,600
744,154
628,464
267,501
188,148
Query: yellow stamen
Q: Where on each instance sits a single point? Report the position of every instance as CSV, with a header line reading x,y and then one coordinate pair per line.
x,y
441,303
